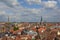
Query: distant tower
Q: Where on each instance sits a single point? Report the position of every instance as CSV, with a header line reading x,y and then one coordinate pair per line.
x,y
8,19
41,20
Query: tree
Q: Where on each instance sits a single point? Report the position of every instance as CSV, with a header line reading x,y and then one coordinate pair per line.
x,y
16,28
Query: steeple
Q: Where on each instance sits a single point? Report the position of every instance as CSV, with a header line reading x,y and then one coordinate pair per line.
x,y
8,18
41,20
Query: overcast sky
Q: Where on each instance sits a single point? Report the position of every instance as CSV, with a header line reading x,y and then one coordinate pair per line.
x,y
30,10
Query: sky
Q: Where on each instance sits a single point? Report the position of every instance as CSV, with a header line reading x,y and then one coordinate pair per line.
x,y
30,10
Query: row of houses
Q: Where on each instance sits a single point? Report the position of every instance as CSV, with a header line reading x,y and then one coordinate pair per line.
x,y
29,31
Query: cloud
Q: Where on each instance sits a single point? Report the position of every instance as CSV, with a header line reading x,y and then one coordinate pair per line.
x,y
46,4
2,12
33,1
50,4
17,12
10,3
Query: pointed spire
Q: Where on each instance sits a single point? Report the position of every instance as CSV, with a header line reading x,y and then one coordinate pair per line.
x,y
41,20
8,18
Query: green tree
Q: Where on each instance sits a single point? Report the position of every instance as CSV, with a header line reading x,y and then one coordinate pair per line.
x,y
16,28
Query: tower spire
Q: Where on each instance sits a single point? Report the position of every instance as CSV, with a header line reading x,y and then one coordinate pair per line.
x,y
8,18
41,20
